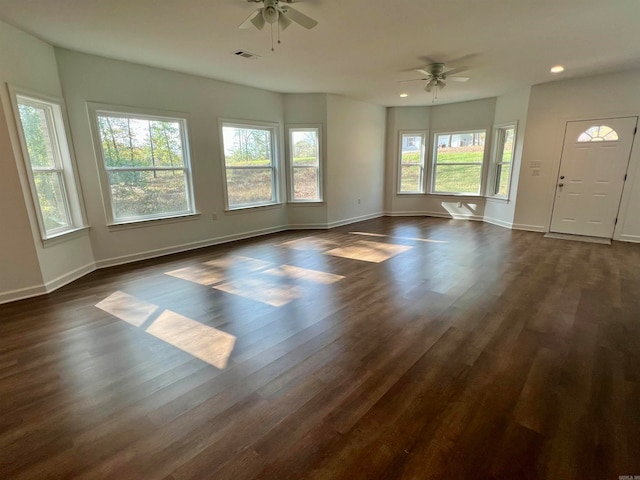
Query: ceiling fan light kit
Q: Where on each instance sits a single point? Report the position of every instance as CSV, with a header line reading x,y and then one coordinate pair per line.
x,y
436,76
274,14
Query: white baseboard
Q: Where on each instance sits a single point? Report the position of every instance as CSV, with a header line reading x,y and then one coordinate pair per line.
x,y
529,228
69,277
348,221
308,226
499,223
22,294
185,247
630,238
37,290
454,216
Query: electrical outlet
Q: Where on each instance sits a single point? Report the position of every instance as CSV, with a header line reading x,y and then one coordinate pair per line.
x,y
214,216
358,201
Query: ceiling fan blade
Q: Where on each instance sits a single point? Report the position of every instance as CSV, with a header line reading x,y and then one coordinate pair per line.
x,y
453,71
422,71
428,87
299,18
259,21
458,79
247,23
414,80
283,22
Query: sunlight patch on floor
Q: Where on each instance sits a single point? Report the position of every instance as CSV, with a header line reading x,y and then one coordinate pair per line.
x,y
197,339
264,290
298,273
128,308
202,341
366,251
398,237
309,243
214,271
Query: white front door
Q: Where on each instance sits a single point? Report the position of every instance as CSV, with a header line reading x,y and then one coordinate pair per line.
x,y
593,168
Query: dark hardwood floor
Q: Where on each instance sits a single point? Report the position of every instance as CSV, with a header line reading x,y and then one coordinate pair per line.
x,y
412,348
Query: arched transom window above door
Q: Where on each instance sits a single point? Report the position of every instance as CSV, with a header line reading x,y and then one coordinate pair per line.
x,y
598,133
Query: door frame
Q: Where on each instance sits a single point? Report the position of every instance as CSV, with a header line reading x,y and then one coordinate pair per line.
x,y
633,169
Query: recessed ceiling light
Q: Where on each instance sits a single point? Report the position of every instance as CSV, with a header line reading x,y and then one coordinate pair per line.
x,y
403,95
557,69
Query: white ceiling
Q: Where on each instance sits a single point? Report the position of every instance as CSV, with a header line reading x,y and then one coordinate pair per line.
x,y
361,48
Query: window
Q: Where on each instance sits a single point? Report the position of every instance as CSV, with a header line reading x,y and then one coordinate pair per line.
x,y
49,165
411,169
304,145
598,133
504,140
250,165
146,162
458,159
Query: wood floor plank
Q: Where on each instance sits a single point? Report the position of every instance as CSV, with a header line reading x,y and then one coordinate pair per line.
x,y
396,348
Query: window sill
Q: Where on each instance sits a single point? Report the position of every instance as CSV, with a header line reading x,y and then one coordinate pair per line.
x,y
498,199
64,236
311,203
149,222
252,208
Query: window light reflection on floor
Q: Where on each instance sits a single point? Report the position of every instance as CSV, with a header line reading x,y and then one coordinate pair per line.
x,y
398,237
197,339
214,271
367,251
128,308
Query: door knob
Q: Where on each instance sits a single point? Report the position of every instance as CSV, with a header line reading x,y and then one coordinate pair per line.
x,y
561,184
561,177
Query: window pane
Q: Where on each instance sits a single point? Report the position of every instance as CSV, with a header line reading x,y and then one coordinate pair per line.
x,y
458,178
411,149
138,142
304,147
507,151
461,148
502,179
148,193
410,180
246,146
249,186
36,123
51,197
305,183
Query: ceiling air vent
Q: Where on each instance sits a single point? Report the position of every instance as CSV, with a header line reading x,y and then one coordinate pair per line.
x,y
245,54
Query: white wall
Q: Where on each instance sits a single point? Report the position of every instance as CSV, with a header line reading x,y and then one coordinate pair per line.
x,y
477,114
550,107
355,160
509,108
88,78
26,266
308,109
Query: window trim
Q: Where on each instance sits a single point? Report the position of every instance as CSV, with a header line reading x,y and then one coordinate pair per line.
x,y
290,167
276,133
94,109
423,164
67,166
434,162
493,182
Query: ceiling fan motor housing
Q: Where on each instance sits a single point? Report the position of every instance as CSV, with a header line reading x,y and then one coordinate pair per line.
x,y
270,11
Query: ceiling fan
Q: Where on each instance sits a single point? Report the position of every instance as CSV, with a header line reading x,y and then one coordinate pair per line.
x,y
436,76
275,14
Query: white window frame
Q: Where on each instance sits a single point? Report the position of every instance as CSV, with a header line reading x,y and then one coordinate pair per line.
x,y
423,154
274,130
434,162
496,159
319,170
64,160
95,110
